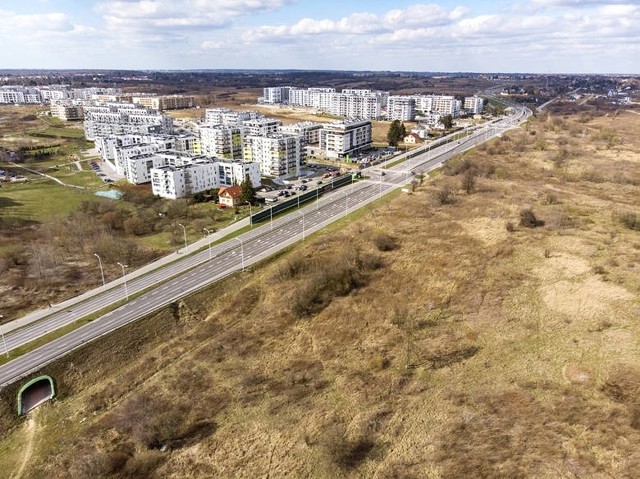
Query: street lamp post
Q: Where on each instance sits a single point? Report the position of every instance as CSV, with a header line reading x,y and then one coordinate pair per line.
x,y
303,221
184,233
124,279
4,341
241,251
345,203
101,268
250,215
209,237
271,215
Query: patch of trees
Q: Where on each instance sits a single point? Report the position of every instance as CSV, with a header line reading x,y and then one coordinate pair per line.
x,y
396,133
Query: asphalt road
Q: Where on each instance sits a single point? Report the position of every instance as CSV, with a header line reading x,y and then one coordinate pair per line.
x,y
165,285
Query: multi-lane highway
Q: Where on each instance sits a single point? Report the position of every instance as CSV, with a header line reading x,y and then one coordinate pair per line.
x,y
174,280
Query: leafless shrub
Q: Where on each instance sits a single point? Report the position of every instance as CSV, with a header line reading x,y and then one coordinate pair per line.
x,y
550,199
293,267
343,452
510,226
443,196
630,220
456,166
335,276
468,180
384,242
143,464
623,384
528,219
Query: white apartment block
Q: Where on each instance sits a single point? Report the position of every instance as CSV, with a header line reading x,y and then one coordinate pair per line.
x,y
182,179
117,119
19,94
308,129
442,104
135,161
44,94
66,110
108,146
234,172
401,108
261,126
278,155
276,94
474,104
225,116
188,143
341,139
350,103
223,141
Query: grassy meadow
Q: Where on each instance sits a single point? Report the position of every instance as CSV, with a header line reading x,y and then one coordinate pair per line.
x,y
484,326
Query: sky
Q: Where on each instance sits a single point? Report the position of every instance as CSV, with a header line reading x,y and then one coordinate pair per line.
x,y
536,36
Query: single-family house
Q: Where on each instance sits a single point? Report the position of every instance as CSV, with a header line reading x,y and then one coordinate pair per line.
x,y
230,196
412,139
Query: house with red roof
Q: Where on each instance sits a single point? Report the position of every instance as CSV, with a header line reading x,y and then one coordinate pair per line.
x,y
230,196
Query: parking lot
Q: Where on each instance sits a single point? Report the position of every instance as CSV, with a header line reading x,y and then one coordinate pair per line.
x,y
313,176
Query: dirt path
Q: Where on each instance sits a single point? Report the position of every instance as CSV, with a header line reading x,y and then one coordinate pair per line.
x,y
47,176
30,433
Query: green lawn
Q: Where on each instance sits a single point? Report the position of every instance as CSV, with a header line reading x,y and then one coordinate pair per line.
x,y
56,132
40,200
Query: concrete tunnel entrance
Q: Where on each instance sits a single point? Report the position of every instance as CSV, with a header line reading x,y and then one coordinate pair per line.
x,y
34,393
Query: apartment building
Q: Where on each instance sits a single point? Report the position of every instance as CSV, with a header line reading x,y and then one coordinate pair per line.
x,y
350,103
15,94
446,105
135,161
164,102
275,94
261,126
308,129
442,104
345,138
474,104
401,108
278,155
234,172
108,146
66,110
111,97
123,118
178,179
225,116
223,141
188,143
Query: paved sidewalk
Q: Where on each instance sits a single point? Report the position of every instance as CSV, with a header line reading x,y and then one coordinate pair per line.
x,y
160,262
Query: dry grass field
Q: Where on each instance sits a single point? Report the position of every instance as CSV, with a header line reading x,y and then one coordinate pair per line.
x,y
485,326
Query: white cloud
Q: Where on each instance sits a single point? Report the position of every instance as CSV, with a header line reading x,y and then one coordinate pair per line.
x,y
37,22
147,15
361,23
